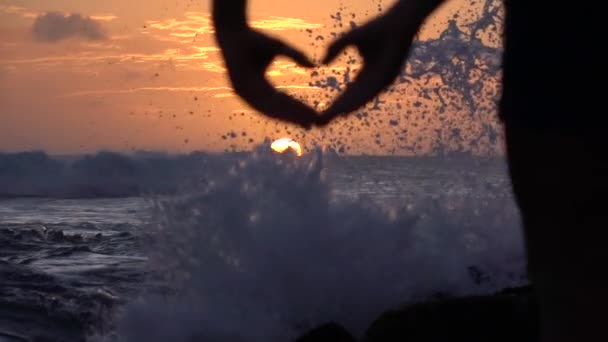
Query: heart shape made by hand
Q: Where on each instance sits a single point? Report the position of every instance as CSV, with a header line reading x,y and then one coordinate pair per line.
x,y
383,44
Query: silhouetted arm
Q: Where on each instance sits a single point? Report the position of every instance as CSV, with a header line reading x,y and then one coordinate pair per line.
x,y
384,43
247,54
230,15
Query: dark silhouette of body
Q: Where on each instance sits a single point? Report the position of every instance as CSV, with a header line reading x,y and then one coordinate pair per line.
x,y
550,109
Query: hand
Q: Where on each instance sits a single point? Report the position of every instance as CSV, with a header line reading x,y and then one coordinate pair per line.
x,y
247,54
384,44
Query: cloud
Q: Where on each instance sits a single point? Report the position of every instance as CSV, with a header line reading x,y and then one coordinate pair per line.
x,y
182,30
104,17
200,23
302,87
146,89
54,26
284,23
199,55
18,10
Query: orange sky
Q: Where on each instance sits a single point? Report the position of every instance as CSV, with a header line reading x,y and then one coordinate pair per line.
x,y
133,76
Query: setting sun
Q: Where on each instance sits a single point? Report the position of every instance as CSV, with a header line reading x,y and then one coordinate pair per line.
x,y
284,144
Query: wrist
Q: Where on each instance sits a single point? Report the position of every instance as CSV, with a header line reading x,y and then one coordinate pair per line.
x,y
230,16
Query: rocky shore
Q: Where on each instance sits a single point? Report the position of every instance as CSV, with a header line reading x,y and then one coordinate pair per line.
x,y
507,316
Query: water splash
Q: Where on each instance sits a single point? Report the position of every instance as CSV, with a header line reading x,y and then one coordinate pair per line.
x,y
444,101
265,251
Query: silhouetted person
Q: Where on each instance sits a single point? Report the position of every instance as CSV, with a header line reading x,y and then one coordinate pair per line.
x,y
550,109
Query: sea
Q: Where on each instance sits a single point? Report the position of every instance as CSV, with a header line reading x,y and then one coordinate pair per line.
x,y
253,246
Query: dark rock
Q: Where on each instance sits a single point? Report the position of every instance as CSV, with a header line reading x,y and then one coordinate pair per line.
x,y
330,332
507,316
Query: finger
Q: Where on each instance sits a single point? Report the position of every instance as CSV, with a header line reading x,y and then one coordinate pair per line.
x,y
376,75
263,97
324,119
297,56
356,96
340,45
293,111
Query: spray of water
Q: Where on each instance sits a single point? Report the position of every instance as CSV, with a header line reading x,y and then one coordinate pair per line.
x,y
264,252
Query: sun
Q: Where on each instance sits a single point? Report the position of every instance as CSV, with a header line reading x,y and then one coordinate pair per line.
x,y
284,144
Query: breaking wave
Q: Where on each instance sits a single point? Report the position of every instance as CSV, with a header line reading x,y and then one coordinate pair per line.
x,y
265,252
105,174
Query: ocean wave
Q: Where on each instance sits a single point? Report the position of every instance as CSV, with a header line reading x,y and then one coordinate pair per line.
x,y
265,252
112,175
105,174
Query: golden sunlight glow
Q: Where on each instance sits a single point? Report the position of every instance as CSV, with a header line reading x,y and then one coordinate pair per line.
x,y
284,144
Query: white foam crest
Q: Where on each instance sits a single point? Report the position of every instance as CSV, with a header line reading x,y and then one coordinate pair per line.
x,y
264,252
